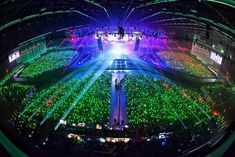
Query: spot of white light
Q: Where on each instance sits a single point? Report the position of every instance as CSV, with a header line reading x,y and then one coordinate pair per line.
x,y
118,50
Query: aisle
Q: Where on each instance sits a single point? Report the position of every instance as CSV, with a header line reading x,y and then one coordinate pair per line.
x,y
118,102
123,113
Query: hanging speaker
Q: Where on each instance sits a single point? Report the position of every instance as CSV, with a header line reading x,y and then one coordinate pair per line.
x,y
207,34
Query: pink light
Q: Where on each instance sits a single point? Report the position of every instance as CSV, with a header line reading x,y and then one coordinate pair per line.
x,y
74,54
73,40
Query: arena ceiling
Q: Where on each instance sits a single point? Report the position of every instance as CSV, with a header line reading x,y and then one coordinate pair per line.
x,y
130,11
191,15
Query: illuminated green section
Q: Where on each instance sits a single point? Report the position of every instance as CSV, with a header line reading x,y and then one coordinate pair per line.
x,y
59,103
14,92
49,62
41,103
150,101
9,75
92,108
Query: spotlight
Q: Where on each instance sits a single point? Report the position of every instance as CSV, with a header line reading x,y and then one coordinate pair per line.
x,y
117,51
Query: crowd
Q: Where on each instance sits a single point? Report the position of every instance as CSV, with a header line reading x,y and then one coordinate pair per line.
x,y
184,62
153,102
51,61
13,93
45,100
92,108
94,105
221,98
150,102
8,76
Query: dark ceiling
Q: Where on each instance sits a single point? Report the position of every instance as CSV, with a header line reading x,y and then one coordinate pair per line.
x,y
111,11
196,15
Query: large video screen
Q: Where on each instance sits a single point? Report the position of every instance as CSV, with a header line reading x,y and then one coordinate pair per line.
x,y
215,57
14,56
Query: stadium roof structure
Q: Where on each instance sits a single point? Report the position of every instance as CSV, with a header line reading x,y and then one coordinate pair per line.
x,y
187,44
192,16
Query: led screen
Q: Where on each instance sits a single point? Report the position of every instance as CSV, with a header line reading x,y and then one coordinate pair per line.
x,y
215,57
14,56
